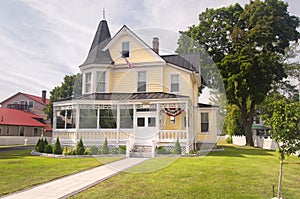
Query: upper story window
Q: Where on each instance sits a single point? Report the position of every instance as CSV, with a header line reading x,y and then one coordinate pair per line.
x,y
88,82
125,49
204,122
100,87
142,81
30,104
174,82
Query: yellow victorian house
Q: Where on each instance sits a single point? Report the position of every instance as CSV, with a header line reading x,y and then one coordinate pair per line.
x,y
133,96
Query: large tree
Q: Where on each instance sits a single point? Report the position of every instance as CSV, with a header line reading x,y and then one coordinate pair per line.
x,y
247,44
71,86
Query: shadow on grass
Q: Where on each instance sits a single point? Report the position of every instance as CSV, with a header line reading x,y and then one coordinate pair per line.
x,y
242,152
15,154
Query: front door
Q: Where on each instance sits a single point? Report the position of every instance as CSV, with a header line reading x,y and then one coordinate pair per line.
x,y
146,127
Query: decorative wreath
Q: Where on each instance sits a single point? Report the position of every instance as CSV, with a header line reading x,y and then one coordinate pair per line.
x,y
172,111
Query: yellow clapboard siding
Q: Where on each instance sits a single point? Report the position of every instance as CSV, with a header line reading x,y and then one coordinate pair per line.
x,y
138,53
124,82
154,80
178,125
211,135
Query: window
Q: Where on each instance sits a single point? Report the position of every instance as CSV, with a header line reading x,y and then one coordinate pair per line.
x,y
141,83
175,83
172,120
30,104
140,121
151,121
125,49
126,118
88,82
108,118
21,131
35,132
204,122
100,82
60,119
7,130
88,119
71,119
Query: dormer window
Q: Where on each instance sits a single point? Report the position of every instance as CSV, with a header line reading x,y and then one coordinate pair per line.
x,y
100,82
125,49
88,82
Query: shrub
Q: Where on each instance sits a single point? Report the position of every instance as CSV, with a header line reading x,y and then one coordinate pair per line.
x,y
48,149
87,151
57,148
80,148
229,140
37,144
104,149
162,150
177,148
41,146
94,150
45,142
122,149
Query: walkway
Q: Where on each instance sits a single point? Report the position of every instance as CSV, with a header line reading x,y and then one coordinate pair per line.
x,y
70,185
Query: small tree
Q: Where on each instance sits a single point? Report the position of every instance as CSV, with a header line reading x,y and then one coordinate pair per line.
x,y
104,149
284,119
80,147
37,144
57,148
177,148
45,142
94,150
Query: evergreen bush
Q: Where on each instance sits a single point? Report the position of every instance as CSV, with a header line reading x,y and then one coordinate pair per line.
x,y
41,146
45,142
177,148
37,144
122,149
162,150
57,148
80,148
104,149
94,150
48,149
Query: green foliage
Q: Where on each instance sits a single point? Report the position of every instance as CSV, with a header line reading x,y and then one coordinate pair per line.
x,y
233,121
71,86
177,148
48,149
80,148
248,47
122,149
37,144
45,142
229,140
41,146
104,149
162,150
94,150
57,148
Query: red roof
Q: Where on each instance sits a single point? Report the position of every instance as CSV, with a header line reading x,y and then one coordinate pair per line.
x,y
19,118
33,97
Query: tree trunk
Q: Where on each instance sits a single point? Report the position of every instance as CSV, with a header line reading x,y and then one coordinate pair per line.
x,y
247,120
280,179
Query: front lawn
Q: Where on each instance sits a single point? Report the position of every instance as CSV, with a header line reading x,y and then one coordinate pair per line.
x,y
237,172
20,170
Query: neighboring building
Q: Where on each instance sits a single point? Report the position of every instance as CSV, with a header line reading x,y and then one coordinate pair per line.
x,y
31,108
15,122
132,95
259,129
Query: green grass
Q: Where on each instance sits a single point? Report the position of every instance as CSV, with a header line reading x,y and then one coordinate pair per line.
x,y
237,172
20,170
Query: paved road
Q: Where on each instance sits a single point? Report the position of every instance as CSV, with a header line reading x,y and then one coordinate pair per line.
x,y
70,185
16,148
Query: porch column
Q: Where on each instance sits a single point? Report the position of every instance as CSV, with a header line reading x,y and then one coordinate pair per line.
x,y
157,122
134,119
77,121
187,127
118,123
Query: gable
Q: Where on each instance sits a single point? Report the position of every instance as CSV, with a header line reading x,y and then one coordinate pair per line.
x,y
139,51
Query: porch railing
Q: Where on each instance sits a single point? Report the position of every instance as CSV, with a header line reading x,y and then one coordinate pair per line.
x,y
172,135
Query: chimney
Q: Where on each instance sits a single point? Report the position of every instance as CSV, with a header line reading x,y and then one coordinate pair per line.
x,y
155,45
44,96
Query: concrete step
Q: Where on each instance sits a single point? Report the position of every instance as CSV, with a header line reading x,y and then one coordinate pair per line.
x,y
142,149
140,155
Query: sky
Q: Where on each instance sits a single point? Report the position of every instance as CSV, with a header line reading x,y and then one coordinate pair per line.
x,y
41,41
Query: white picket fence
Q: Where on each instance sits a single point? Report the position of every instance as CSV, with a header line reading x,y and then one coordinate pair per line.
x,y
20,140
261,142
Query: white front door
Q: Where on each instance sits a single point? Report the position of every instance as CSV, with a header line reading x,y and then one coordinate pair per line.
x,y
146,127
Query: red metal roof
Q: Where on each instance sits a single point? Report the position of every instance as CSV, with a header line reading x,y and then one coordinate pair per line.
x,y
19,118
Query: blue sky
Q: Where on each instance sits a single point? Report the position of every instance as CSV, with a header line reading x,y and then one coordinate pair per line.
x,y
42,40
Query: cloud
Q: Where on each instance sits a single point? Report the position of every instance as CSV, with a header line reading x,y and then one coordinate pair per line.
x,y
41,41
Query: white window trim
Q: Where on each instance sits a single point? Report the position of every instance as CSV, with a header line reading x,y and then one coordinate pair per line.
x,y
105,81
179,82
91,82
205,132
137,80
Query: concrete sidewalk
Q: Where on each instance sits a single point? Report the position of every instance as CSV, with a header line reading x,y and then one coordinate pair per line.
x,y
70,185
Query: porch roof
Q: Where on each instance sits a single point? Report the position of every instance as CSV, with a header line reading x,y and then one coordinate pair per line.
x,y
129,96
